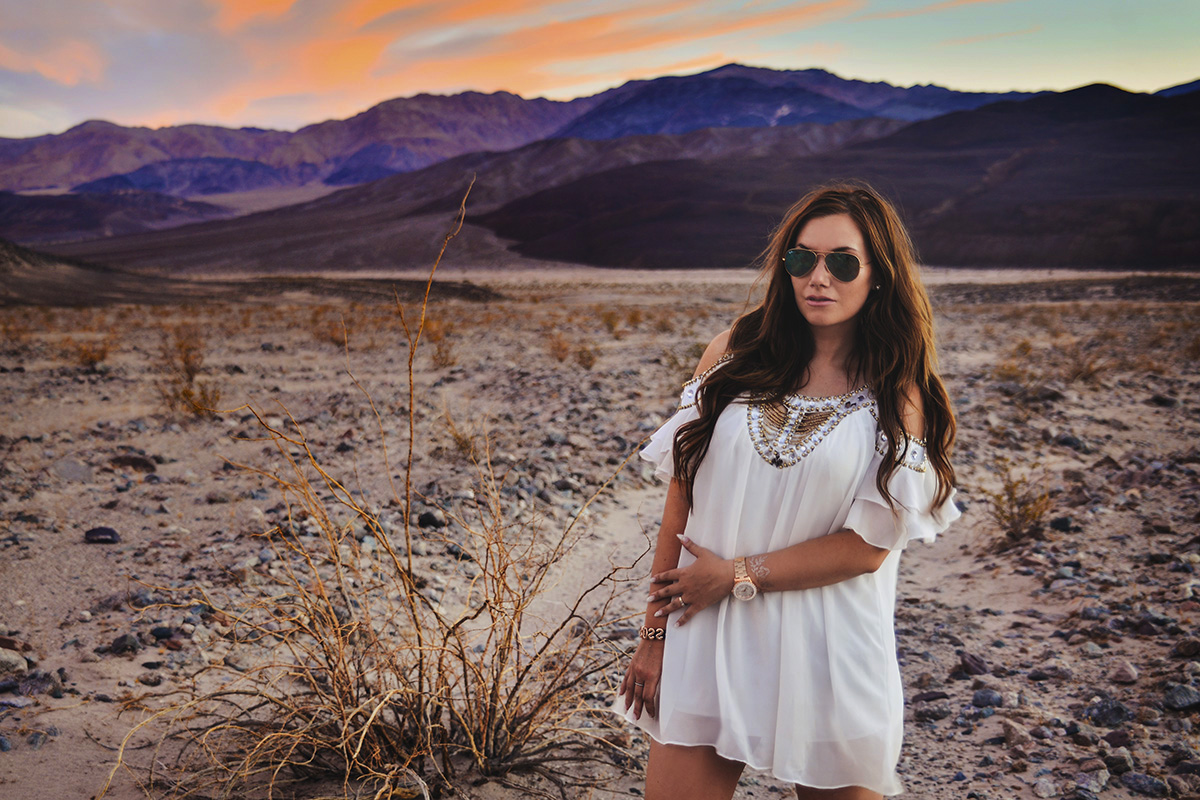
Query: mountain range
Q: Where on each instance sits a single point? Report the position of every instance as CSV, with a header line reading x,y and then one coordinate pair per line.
x,y
678,171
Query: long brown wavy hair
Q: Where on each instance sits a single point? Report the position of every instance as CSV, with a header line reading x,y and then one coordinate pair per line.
x,y
770,347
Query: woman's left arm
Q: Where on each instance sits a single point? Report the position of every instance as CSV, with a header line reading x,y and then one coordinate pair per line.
x,y
806,565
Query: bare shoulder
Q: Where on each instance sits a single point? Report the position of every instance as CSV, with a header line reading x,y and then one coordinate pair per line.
x,y
912,414
712,354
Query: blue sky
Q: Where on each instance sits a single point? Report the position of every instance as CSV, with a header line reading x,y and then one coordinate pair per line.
x,y
286,63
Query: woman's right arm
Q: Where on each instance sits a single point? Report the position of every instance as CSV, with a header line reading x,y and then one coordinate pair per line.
x,y
641,682
640,686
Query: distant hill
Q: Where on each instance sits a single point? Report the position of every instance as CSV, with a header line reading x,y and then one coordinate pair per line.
x,y
38,219
410,133
1092,177
399,221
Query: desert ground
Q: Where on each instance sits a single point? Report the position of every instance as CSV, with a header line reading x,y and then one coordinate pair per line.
x,y
1050,640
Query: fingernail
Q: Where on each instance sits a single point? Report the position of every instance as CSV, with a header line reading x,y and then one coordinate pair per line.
x,y
651,598
681,537
658,613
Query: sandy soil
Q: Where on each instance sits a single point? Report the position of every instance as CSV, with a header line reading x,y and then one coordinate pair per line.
x,y
1088,632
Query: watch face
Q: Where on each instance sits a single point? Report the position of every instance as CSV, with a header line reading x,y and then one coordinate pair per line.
x,y
744,590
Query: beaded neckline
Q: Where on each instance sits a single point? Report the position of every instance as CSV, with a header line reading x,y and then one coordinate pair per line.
x,y
786,431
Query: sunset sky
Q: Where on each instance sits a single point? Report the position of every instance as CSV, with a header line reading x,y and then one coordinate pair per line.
x,y
286,63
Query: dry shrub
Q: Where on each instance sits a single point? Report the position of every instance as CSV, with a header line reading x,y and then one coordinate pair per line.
x,y
1017,508
586,356
1192,350
350,668
634,318
1082,362
439,334
464,436
180,361
612,322
15,331
663,322
682,365
558,346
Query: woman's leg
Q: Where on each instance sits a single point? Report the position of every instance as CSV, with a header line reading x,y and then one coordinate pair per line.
x,y
845,793
694,773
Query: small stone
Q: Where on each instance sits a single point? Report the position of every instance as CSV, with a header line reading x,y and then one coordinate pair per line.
x,y
162,631
1044,787
932,712
72,471
37,739
150,679
972,664
102,536
1186,648
126,643
1093,781
1143,784
987,698
5,744
432,519
1123,672
1181,698
1119,761
1108,713
1015,735
11,662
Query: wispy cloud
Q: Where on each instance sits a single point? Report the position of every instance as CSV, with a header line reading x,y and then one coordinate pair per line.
x,y
932,8
988,37
68,62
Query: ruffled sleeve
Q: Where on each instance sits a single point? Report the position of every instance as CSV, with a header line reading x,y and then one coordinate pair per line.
x,y
912,487
659,451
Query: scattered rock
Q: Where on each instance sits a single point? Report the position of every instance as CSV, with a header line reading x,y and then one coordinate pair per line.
x,y
11,662
1123,672
1119,761
125,643
1044,787
972,664
433,518
932,712
72,471
1181,698
101,536
1108,713
1143,784
987,698
134,462
1186,648
1015,735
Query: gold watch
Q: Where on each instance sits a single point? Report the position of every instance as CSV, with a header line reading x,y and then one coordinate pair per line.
x,y
744,587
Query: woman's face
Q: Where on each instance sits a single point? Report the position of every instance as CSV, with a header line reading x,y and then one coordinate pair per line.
x,y
825,301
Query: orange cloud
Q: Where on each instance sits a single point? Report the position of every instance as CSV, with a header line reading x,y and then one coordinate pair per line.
x,y
233,14
68,63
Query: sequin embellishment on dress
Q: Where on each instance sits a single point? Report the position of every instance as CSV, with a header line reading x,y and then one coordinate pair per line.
x,y
786,431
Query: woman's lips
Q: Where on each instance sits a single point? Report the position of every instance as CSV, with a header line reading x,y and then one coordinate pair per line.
x,y
819,301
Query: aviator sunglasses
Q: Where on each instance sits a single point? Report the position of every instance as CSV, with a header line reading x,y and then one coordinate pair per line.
x,y
843,266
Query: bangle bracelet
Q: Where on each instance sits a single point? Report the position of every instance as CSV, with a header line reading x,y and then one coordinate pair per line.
x,y
654,634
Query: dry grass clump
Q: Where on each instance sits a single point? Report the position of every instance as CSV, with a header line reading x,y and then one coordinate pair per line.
x,y
180,361
1017,509
558,346
586,356
440,333
611,319
16,329
88,353
350,666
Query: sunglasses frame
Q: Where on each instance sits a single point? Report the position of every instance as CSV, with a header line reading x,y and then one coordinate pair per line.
x,y
858,263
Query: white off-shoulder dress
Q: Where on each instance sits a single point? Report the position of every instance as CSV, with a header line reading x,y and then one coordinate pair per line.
x,y
802,683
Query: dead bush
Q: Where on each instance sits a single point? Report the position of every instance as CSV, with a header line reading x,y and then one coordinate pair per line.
x,y
352,667
180,361
1017,509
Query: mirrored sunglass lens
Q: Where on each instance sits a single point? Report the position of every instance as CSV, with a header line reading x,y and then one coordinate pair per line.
x,y
844,266
799,262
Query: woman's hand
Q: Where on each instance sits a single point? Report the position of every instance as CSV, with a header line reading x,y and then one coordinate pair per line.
x,y
640,685
695,587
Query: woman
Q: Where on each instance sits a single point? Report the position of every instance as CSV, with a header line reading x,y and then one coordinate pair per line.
x,y
810,446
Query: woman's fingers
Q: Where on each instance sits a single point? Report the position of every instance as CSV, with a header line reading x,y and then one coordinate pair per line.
x,y
650,696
